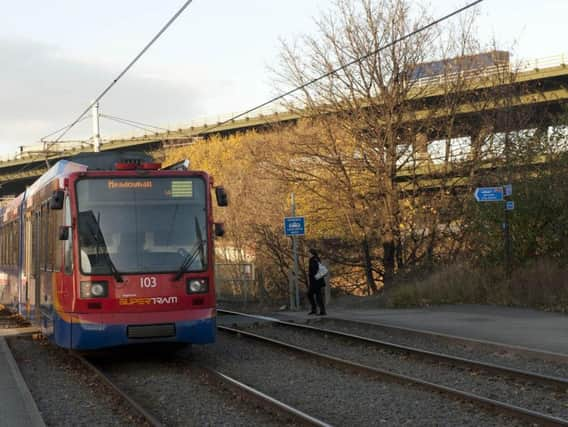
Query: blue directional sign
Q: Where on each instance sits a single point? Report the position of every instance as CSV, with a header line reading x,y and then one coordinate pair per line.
x,y
508,190
510,205
489,194
294,226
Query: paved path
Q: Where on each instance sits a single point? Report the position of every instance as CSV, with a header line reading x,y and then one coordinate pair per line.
x,y
17,407
533,329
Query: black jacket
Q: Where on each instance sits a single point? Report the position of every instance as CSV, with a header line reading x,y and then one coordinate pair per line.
x,y
313,269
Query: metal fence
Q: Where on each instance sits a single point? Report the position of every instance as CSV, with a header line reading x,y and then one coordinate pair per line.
x,y
237,282
242,284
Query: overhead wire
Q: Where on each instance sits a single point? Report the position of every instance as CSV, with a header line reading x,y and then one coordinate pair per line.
x,y
124,71
138,125
134,123
344,66
61,129
268,102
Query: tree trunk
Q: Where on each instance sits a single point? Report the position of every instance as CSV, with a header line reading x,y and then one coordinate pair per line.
x,y
388,260
371,285
399,254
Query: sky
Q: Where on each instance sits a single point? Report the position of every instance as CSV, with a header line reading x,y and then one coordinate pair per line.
x,y
57,56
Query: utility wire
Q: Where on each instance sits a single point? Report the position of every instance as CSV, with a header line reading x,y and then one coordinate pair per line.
x,y
123,72
123,122
272,100
336,70
62,129
134,123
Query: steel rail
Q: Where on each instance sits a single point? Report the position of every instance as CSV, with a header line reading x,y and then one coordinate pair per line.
x,y
264,399
494,405
557,382
540,354
143,413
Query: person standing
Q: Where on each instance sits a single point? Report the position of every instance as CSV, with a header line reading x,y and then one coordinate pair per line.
x,y
315,286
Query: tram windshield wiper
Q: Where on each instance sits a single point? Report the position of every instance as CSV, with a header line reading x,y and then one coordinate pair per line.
x,y
88,223
198,249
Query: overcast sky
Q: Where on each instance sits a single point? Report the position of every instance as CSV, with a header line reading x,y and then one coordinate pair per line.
x,y
57,55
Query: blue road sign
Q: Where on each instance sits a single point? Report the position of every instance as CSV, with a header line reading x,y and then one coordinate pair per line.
x,y
510,205
294,226
508,190
489,194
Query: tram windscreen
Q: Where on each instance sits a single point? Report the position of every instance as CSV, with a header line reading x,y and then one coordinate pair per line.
x,y
142,225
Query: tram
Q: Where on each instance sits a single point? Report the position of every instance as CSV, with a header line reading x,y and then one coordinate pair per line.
x,y
110,250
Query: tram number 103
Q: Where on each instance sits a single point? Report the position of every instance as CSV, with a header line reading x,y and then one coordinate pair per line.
x,y
148,282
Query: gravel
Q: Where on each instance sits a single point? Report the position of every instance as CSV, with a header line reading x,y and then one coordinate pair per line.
x,y
65,393
477,351
174,389
517,392
179,393
338,397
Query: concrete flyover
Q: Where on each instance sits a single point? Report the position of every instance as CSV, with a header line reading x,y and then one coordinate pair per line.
x,y
541,85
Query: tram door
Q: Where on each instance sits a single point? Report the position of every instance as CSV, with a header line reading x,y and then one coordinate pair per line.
x,y
35,264
28,263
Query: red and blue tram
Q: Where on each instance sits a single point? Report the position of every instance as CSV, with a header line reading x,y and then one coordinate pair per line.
x,y
111,256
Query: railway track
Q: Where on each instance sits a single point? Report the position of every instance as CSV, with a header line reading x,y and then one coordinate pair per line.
x,y
247,393
490,346
532,416
270,403
135,407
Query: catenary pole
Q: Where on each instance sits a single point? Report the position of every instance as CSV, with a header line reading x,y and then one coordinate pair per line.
x,y
295,254
96,128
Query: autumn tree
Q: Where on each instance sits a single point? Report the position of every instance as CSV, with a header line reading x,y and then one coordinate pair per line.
x,y
254,217
375,117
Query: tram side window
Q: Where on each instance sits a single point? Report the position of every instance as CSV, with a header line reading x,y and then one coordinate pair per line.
x,y
9,244
2,247
36,245
53,254
6,245
57,254
6,235
15,246
49,256
43,238
5,250
18,241
17,238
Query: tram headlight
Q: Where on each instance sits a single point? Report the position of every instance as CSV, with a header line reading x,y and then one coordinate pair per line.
x,y
197,286
94,289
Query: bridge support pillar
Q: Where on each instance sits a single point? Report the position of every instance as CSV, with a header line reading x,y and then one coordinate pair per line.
x,y
420,148
478,136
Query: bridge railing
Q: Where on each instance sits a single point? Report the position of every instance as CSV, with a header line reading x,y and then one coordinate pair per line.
x,y
207,122
544,62
39,150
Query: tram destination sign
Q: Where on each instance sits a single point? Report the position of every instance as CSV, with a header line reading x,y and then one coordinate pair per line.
x,y
489,194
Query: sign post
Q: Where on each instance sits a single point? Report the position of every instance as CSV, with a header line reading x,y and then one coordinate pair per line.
x,y
295,226
499,194
509,206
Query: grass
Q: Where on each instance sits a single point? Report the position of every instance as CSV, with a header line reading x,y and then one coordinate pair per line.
x,y
542,285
